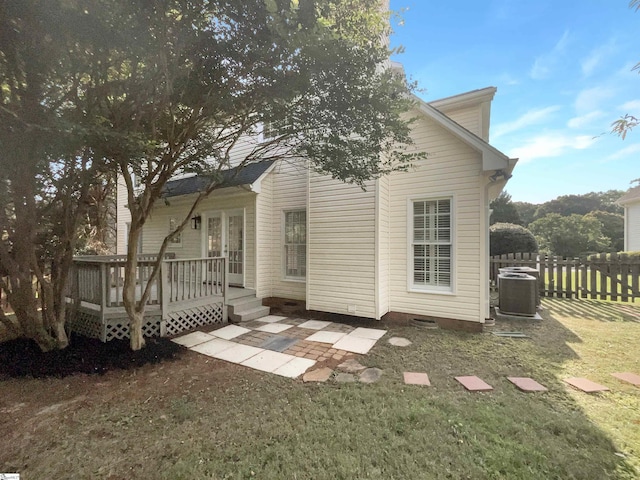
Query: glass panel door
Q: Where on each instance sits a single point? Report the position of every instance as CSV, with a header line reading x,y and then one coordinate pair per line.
x,y
235,247
225,237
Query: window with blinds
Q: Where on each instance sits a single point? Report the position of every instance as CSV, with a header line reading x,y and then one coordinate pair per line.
x,y
432,244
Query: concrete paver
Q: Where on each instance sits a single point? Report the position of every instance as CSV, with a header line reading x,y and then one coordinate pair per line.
x,y
192,339
325,337
213,347
229,332
295,367
274,327
416,378
267,361
354,344
238,353
370,333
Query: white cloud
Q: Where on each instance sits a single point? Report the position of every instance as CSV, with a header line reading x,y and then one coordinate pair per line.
x,y
630,106
508,79
532,117
624,152
551,145
590,99
595,58
585,120
544,64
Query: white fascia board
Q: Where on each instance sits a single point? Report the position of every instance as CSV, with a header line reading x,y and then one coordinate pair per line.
x,y
467,99
492,158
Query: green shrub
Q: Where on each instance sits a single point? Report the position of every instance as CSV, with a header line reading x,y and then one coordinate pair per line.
x,y
511,238
630,255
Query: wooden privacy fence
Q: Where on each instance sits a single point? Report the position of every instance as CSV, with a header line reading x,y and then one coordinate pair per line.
x,y
611,276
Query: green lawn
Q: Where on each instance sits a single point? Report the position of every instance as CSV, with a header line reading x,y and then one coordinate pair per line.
x,y
199,418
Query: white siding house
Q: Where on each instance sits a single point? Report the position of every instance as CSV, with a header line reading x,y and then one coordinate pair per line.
x,y
412,244
631,203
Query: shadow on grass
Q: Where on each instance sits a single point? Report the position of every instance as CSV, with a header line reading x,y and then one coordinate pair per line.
x,y
594,310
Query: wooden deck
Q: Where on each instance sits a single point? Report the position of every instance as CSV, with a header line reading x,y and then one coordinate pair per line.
x,y
188,293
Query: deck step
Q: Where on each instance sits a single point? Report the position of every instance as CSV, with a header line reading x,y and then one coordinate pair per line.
x,y
244,303
247,315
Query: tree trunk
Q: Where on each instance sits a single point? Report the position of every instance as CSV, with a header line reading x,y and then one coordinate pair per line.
x,y
135,330
134,309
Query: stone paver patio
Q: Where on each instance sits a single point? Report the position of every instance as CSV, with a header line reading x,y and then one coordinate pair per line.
x,y
282,345
291,347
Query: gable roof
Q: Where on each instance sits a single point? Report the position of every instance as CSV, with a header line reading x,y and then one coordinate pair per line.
x,y
492,158
234,177
632,195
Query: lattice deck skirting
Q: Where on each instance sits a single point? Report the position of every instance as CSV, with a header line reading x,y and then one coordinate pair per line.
x,y
191,318
89,323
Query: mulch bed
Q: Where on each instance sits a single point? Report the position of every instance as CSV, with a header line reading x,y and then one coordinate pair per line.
x,y
23,357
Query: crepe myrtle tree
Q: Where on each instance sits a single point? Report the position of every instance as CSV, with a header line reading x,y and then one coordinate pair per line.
x,y
185,81
46,170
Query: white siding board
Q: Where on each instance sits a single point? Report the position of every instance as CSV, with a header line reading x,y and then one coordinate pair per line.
x,y
451,169
342,247
632,225
264,238
157,227
122,217
289,179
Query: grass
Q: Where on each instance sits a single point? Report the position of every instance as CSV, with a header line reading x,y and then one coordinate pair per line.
x,y
199,418
607,288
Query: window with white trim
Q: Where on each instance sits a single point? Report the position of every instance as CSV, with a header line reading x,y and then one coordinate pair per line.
x,y
295,244
431,245
177,240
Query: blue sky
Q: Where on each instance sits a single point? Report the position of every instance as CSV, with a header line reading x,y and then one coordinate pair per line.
x,y
563,73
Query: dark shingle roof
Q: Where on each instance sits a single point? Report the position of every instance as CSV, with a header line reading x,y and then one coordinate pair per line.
x,y
231,178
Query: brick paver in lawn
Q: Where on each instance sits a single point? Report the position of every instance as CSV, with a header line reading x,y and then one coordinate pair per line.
x,y
629,377
586,385
474,384
527,384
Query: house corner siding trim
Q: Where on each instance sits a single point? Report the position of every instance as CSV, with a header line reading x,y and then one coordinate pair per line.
x,y
452,170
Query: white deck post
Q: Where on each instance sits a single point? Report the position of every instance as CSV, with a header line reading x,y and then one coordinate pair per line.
x,y
164,296
225,293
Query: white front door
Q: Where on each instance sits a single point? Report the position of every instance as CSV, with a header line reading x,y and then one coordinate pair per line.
x,y
225,238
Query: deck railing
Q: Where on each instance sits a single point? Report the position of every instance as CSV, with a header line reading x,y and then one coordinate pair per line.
x,y
99,280
193,278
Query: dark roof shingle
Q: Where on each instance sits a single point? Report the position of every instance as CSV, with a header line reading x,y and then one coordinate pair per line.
x,y
233,177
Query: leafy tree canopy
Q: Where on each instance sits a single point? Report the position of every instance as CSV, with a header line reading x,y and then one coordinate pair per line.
x,y
569,236
504,210
152,89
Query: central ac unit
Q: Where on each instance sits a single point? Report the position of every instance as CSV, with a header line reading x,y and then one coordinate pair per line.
x,y
518,292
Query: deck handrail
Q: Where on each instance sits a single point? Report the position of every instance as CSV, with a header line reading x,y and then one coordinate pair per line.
x,y
98,280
